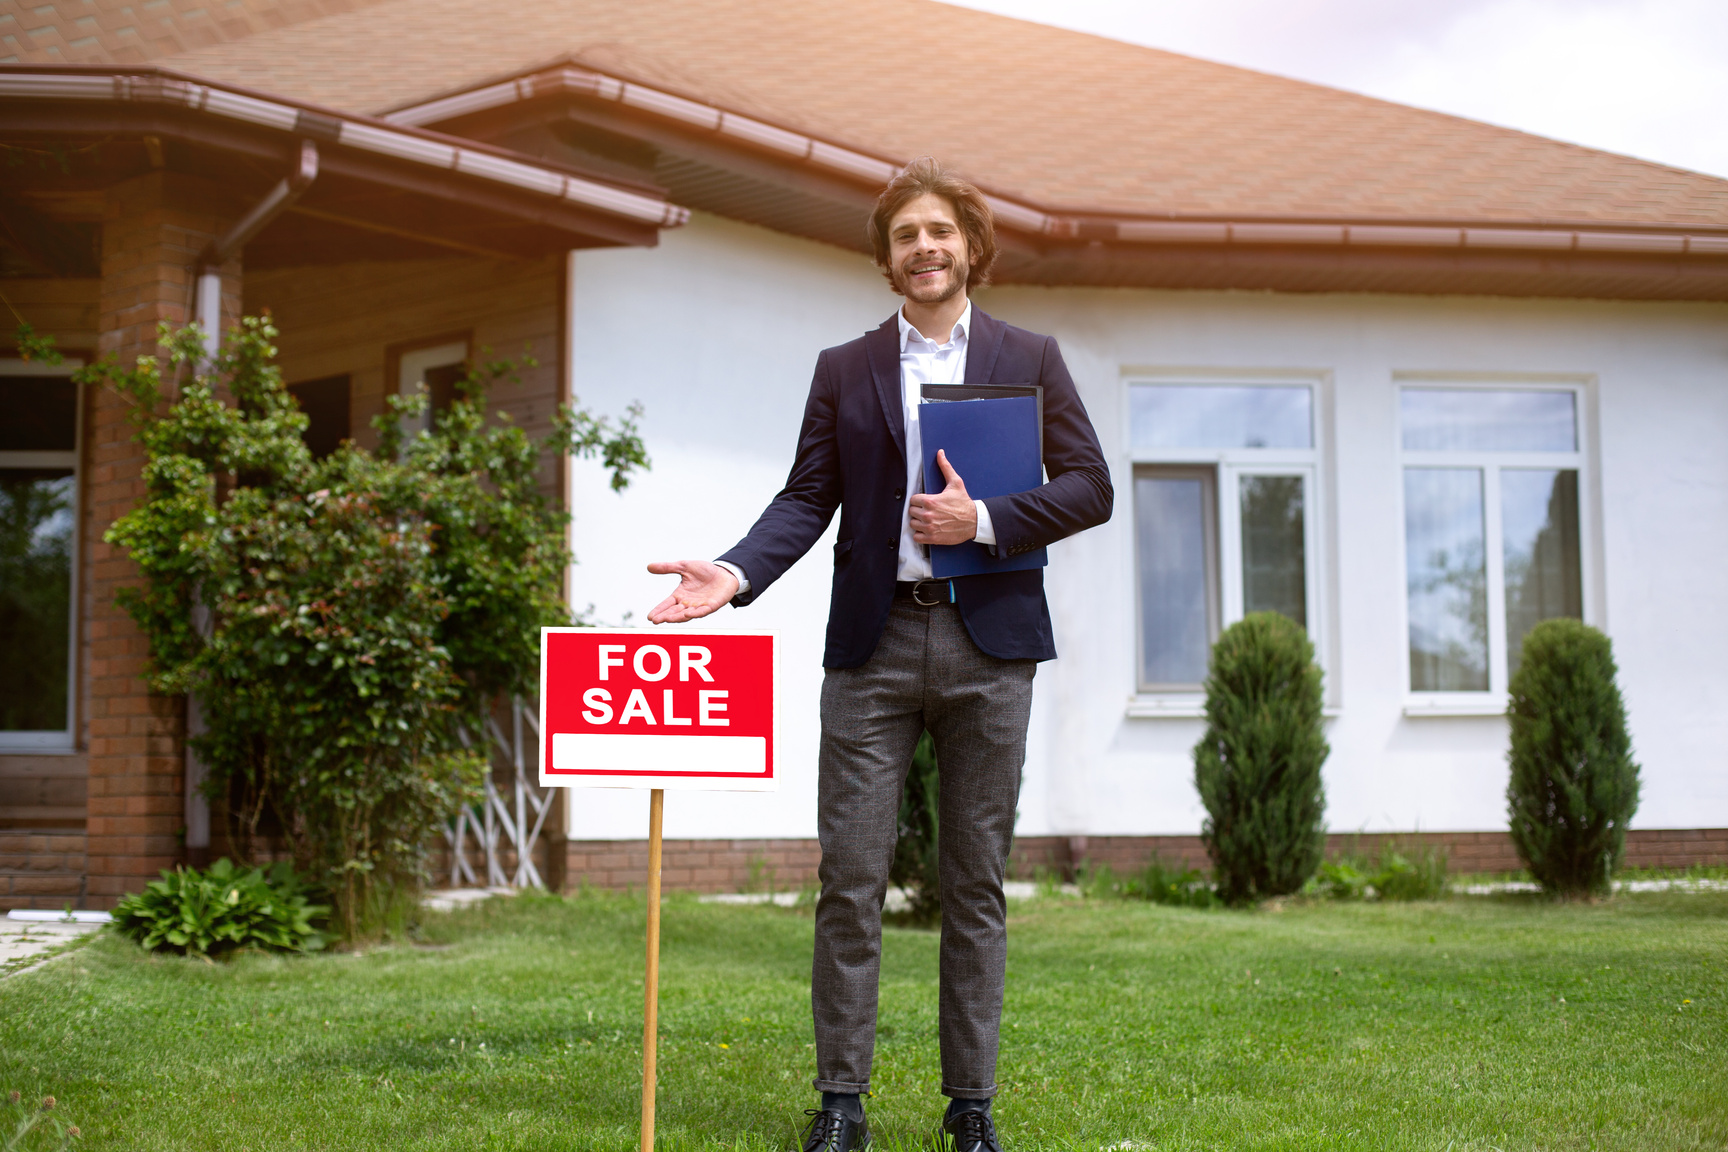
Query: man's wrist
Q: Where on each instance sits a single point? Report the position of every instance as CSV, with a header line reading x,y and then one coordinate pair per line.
x,y
986,532
738,574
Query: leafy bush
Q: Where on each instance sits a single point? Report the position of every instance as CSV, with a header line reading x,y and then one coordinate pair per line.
x,y
1392,871
222,910
1574,786
916,868
341,620
1157,883
1257,767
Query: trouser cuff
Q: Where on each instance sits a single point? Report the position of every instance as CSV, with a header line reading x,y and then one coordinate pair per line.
x,y
954,1093
846,1086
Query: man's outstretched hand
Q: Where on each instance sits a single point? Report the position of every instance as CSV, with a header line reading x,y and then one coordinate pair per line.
x,y
945,517
702,587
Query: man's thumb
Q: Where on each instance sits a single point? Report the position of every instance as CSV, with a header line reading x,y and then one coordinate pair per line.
x,y
948,472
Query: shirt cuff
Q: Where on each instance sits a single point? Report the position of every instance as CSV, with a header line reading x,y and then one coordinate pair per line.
x,y
743,580
986,531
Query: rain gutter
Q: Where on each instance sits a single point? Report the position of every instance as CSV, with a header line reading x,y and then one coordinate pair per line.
x,y
364,134
1018,214
207,305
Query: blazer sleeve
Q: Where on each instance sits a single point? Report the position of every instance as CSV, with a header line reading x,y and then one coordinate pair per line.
x,y
796,518
1077,494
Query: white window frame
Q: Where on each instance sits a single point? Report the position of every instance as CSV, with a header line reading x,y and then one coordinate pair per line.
x,y
1230,465
50,742
411,376
1493,701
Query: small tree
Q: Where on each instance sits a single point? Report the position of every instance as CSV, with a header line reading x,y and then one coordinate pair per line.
x,y
916,867
339,620
1258,765
1574,786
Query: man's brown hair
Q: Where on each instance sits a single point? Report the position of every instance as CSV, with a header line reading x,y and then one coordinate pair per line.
x,y
926,176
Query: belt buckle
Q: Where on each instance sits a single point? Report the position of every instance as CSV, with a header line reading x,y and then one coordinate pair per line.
x,y
918,593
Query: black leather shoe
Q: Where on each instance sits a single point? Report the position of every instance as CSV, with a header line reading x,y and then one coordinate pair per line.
x,y
832,1131
972,1132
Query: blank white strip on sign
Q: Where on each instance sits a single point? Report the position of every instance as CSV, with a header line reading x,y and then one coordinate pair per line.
x,y
616,753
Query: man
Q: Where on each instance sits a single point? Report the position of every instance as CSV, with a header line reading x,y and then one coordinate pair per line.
x,y
906,652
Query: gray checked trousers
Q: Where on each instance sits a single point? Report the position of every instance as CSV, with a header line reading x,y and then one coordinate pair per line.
x,y
925,673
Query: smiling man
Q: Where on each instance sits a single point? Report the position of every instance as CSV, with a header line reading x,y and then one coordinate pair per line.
x,y
907,652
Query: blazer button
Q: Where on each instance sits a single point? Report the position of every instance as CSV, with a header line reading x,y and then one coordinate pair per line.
x,y
899,493
892,543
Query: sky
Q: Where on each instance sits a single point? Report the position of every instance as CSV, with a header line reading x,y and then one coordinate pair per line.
x,y
1648,78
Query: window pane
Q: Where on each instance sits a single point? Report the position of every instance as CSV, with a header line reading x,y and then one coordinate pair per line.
x,y
1172,520
325,402
35,597
1539,516
1202,416
1448,581
1274,571
1475,420
40,414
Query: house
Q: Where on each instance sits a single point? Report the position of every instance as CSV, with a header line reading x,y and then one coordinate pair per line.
x,y
1416,381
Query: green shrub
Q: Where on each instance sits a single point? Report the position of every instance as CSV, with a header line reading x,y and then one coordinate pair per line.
x,y
1393,871
916,868
341,620
1574,786
222,910
1258,765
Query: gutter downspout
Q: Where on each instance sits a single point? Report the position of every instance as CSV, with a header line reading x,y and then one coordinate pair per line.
x,y
207,303
207,310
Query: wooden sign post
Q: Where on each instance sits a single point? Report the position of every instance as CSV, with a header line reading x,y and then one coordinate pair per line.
x,y
633,708
651,985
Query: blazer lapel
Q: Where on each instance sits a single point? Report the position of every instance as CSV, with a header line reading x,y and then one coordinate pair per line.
x,y
882,349
982,345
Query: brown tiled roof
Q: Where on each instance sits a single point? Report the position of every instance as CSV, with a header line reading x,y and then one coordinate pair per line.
x,y
1066,121
139,31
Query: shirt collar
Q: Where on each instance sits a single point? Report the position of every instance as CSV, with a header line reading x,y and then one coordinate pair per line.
x,y
962,327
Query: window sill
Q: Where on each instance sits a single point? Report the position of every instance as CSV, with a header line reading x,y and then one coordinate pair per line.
x,y
37,744
1167,707
1471,705
1188,708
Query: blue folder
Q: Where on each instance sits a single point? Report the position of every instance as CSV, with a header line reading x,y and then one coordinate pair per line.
x,y
994,445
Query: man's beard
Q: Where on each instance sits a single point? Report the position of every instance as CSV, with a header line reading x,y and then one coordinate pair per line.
x,y
959,272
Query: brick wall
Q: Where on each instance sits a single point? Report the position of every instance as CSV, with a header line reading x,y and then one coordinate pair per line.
x,y
41,869
155,227
741,865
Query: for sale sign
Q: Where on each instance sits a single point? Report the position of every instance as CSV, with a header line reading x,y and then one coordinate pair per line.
x,y
633,708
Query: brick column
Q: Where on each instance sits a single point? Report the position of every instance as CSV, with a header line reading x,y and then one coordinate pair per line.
x,y
154,229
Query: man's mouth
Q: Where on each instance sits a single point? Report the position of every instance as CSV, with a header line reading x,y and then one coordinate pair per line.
x,y
926,269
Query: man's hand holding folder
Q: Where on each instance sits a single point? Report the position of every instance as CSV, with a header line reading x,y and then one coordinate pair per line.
x,y
945,517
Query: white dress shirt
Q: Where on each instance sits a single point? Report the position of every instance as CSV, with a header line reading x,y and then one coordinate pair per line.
x,y
921,362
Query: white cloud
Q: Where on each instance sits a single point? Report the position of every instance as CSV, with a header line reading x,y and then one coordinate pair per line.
x,y
1644,77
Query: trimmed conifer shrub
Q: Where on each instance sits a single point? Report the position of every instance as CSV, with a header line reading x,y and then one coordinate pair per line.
x,y
915,867
1574,786
1258,765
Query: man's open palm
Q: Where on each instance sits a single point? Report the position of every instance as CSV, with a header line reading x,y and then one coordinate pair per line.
x,y
702,587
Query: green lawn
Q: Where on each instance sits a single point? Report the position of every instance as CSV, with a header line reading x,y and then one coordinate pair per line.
x,y
1470,1024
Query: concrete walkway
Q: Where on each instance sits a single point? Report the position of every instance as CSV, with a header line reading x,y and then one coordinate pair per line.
x,y
23,941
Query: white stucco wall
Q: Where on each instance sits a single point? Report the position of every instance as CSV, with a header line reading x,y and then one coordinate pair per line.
x,y
716,332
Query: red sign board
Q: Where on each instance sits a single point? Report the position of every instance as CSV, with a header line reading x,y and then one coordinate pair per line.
x,y
634,708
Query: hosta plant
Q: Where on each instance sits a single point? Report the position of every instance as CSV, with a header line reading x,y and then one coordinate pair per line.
x,y
222,910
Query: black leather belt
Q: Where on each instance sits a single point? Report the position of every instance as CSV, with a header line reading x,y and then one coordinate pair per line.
x,y
925,593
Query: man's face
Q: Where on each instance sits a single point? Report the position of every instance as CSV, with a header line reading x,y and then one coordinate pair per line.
x,y
927,251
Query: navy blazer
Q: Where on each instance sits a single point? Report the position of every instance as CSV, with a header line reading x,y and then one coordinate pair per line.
x,y
852,456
